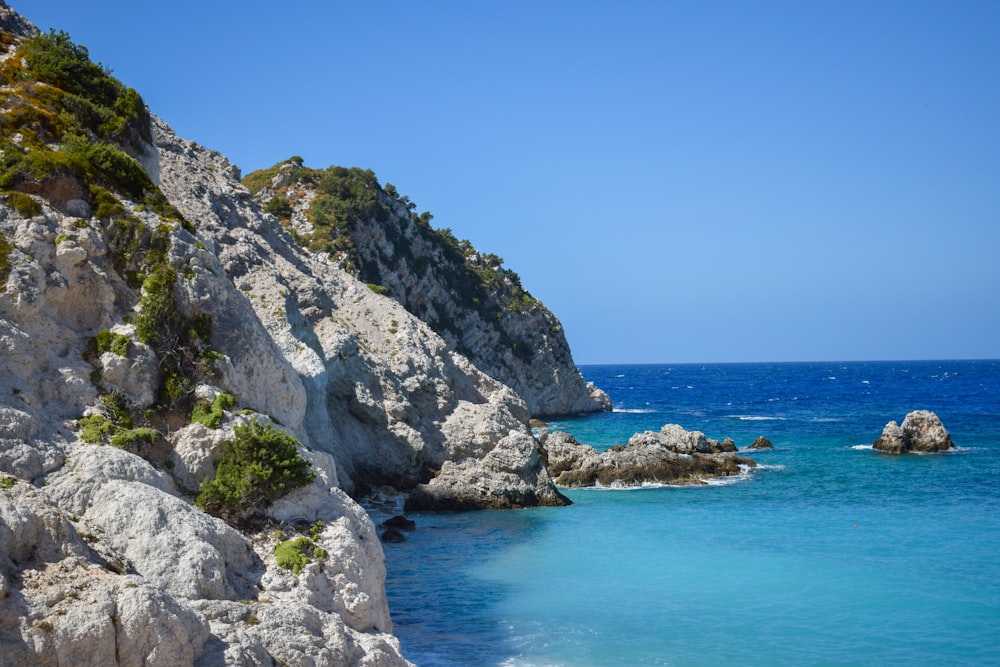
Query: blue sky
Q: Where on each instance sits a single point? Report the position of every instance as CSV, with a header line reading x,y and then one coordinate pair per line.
x,y
689,181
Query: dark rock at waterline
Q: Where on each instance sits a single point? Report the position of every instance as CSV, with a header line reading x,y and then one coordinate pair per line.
x,y
761,443
400,522
921,431
393,535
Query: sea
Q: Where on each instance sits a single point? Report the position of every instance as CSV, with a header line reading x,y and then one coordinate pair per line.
x,y
827,553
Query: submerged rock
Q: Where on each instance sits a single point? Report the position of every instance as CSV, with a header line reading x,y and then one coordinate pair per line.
x,y
400,522
671,456
921,431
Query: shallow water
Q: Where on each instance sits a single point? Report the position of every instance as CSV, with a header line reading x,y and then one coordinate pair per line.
x,y
828,553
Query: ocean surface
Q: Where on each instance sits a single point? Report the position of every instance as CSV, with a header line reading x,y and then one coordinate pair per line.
x,y
828,553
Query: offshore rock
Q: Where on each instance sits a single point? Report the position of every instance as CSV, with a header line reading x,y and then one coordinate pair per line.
x,y
649,458
921,431
675,438
761,443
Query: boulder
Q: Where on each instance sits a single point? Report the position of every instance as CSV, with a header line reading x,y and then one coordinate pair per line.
x,y
921,431
511,475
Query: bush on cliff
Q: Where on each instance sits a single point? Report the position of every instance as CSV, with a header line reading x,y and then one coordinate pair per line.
x,y
259,465
66,117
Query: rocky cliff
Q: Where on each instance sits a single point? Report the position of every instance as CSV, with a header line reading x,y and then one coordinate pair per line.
x,y
469,298
189,399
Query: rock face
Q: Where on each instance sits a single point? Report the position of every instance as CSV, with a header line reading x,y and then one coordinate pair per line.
x,y
921,431
135,298
469,298
670,456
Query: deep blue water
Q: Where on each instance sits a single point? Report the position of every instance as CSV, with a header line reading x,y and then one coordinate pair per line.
x,y
829,553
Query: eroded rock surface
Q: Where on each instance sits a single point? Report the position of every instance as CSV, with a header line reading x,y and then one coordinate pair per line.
x,y
920,432
670,456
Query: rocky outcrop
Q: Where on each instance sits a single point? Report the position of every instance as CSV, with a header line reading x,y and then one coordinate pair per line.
x,y
761,443
671,456
360,377
468,297
921,432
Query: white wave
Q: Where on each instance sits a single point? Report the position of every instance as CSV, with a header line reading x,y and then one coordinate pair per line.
x,y
635,411
770,466
860,447
745,473
865,382
757,418
620,375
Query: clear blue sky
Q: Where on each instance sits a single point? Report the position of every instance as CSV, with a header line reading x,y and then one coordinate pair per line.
x,y
688,181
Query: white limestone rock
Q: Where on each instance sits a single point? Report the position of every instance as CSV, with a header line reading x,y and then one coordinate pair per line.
x,y
172,544
920,432
73,486
68,608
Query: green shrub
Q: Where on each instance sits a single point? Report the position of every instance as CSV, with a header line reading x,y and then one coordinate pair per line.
x,y
133,438
279,208
291,554
96,428
7,482
296,553
158,320
106,205
56,60
259,465
106,341
212,415
115,427
24,204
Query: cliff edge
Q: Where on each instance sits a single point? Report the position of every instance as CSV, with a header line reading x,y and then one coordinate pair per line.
x,y
468,297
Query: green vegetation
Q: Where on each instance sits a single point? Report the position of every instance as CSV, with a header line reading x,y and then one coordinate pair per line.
x,y
7,482
116,427
158,323
53,96
296,553
134,438
212,415
259,465
106,341
279,208
5,249
23,204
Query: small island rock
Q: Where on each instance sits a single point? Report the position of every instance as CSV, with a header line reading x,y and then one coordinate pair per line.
x,y
761,443
670,456
921,431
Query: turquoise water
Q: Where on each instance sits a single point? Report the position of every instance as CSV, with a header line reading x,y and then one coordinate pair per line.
x,y
828,553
